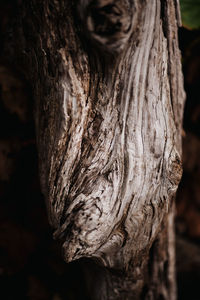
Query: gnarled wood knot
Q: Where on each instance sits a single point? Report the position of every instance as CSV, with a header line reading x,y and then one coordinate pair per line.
x,y
107,23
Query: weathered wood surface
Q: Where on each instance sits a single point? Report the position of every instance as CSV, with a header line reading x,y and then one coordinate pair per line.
x,y
109,98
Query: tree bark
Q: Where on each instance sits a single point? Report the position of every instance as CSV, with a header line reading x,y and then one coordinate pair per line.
x,y
109,98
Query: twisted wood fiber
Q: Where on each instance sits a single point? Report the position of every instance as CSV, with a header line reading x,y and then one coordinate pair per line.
x,y
109,104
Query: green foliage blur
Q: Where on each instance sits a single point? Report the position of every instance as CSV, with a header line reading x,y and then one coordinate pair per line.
x,y
190,13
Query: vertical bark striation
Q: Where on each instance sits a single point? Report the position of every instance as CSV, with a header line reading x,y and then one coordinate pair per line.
x,y
109,101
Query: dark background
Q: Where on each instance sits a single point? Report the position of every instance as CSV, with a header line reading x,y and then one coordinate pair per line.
x,y
31,266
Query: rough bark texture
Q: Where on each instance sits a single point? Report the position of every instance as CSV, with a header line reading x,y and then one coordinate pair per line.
x,y
109,98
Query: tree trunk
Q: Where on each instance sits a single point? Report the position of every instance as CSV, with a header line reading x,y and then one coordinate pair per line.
x,y
109,98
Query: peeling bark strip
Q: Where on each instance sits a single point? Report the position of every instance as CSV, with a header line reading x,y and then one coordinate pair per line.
x,y
109,102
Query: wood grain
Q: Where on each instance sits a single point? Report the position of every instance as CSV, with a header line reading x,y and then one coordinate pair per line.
x,y
109,98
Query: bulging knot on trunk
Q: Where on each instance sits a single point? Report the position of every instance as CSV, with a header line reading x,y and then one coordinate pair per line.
x,y
108,23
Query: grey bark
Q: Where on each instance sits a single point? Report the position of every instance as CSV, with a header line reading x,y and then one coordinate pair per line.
x,y
109,98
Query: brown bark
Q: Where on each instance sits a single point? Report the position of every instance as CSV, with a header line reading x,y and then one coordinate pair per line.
x,y
108,92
